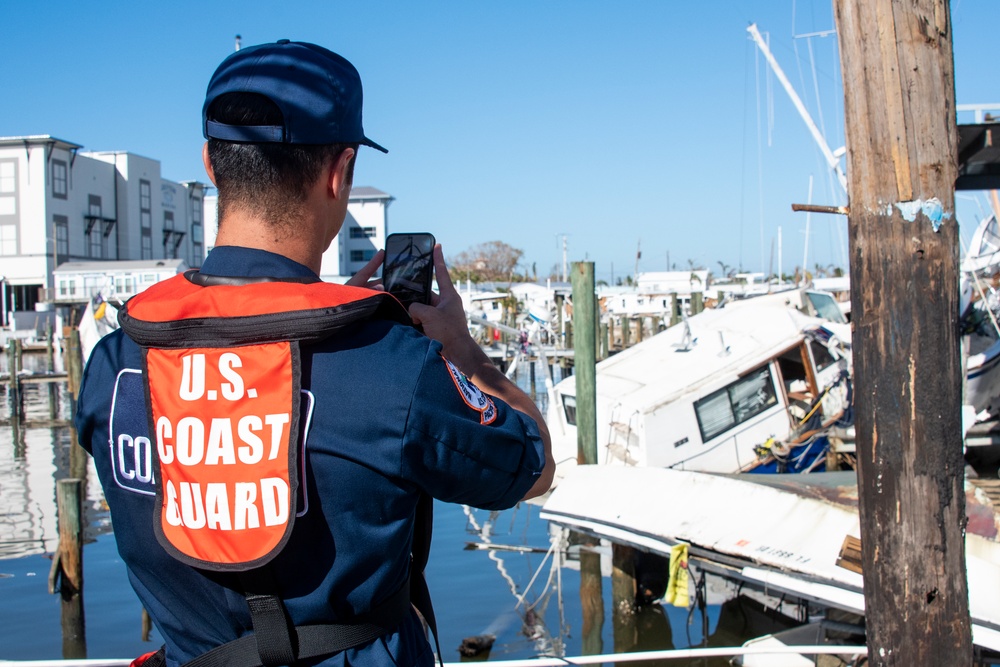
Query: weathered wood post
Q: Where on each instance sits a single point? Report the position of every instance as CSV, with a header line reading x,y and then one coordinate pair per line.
x,y
70,559
559,320
675,310
70,534
591,595
626,332
15,390
51,367
900,122
697,303
623,597
584,361
74,365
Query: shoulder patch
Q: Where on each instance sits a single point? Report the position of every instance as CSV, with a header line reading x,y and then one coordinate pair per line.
x,y
473,395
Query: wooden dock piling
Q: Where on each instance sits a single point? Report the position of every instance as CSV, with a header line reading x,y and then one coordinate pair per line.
x,y
900,126
591,595
15,394
623,597
70,555
584,361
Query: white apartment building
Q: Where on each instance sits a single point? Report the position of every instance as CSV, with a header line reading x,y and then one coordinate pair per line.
x,y
362,235
59,204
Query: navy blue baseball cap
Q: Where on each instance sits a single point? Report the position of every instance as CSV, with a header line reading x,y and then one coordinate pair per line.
x,y
318,92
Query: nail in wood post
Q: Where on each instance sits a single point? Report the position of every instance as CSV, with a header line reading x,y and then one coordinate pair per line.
x,y
902,157
584,361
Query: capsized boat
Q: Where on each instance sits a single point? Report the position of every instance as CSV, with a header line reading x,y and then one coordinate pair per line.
x,y
755,385
785,534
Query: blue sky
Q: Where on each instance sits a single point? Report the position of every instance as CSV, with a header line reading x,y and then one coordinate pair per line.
x,y
625,125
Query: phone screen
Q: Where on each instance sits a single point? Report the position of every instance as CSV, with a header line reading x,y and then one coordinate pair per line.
x,y
408,267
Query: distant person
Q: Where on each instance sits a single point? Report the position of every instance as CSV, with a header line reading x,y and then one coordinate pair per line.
x,y
268,443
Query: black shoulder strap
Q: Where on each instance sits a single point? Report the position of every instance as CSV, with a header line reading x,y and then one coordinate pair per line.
x,y
275,641
420,594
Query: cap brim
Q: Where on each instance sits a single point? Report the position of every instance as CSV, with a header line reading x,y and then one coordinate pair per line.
x,y
371,144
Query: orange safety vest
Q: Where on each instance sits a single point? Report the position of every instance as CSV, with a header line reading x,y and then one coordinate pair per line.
x,y
222,368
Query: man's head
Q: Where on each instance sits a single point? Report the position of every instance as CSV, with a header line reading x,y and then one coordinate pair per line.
x,y
276,116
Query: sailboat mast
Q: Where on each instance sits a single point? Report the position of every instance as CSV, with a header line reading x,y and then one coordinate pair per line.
x,y
831,159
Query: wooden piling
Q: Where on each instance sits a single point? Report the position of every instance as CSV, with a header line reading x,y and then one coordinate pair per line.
x,y
675,310
559,299
74,362
584,361
697,303
591,596
14,392
900,126
70,535
623,597
51,367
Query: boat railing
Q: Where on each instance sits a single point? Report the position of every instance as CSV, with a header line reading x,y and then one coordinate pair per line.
x,y
641,656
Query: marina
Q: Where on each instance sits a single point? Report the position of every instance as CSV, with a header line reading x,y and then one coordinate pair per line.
x,y
752,468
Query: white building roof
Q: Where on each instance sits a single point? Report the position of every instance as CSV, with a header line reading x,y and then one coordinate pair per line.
x,y
177,265
363,192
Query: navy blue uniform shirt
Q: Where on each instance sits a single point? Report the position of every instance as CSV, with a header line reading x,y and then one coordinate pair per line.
x,y
385,418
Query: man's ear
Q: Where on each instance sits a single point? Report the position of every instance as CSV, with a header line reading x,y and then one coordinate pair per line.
x,y
341,174
208,164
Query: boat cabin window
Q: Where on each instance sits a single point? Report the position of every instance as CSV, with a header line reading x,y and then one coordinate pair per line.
x,y
826,307
793,372
821,355
569,407
732,405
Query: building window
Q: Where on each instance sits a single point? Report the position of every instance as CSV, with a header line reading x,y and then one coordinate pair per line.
x,y
736,403
362,255
59,179
95,228
145,207
8,187
147,244
169,242
362,232
8,177
8,239
61,224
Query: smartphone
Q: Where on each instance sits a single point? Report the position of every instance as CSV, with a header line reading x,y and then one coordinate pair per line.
x,y
408,267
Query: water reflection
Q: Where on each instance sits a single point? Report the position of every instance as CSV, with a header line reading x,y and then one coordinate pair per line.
x,y
552,597
32,459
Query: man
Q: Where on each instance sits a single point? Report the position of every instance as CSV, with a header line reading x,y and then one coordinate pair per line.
x,y
264,439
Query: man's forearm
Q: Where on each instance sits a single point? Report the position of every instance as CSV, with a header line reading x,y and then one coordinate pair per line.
x,y
477,367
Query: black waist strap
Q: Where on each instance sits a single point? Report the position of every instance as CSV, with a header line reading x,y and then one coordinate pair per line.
x,y
305,641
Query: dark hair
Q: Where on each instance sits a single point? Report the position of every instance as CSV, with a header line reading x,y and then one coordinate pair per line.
x,y
269,179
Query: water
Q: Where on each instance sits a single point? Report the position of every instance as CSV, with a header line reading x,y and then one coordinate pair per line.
x,y
475,591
